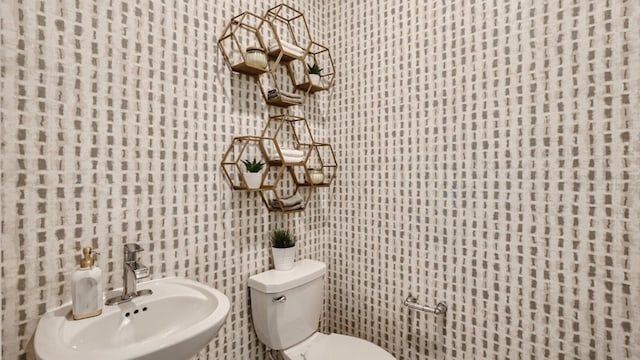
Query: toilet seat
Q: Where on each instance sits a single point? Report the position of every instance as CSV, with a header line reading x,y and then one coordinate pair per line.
x,y
343,347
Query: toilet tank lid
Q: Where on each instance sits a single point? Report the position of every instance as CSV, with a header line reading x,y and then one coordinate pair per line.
x,y
274,281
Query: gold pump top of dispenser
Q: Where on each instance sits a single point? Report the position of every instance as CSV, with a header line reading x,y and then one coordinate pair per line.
x,y
88,258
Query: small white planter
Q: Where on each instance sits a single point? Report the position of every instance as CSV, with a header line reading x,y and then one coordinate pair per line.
x,y
253,180
316,80
283,258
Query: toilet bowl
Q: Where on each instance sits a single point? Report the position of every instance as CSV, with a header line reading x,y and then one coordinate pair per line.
x,y
335,347
286,307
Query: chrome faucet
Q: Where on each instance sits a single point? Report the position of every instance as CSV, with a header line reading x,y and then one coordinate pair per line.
x,y
133,271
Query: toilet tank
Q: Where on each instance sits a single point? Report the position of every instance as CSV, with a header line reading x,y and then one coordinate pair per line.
x,y
286,305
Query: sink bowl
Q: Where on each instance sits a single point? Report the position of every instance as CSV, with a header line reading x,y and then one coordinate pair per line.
x,y
175,322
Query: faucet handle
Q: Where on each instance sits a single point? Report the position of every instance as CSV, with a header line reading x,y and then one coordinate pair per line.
x,y
132,248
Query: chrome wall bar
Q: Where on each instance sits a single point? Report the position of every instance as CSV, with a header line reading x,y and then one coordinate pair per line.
x,y
412,303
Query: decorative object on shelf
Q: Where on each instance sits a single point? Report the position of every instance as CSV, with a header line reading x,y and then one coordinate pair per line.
x,y
286,51
256,58
253,175
292,202
316,176
291,156
283,98
314,75
283,249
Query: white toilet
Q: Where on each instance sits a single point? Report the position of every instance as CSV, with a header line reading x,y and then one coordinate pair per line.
x,y
286,308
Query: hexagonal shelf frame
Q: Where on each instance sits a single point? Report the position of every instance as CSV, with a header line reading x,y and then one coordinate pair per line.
x,y
277,88
317,54
284,168
231,163
288,42
292,37
321,158
283,34
233,45
277,201
297,134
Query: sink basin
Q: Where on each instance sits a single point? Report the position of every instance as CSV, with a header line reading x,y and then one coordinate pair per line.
x,y
175,322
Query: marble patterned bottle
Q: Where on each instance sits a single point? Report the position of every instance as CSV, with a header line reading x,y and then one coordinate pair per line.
x,y
86,287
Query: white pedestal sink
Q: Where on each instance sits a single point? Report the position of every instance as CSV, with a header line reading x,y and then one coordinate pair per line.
x,y
174,323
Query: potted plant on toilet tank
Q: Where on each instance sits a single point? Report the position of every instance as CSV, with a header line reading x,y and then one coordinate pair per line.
x,y
283,249
253,175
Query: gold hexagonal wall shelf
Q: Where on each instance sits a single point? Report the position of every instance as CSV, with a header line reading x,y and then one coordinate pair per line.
x,y
241,148
286,195
320,168
320,55
287,140
291,36
277,87
280,37
295,163
243,34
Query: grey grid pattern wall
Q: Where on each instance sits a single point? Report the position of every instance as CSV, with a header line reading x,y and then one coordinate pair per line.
x,y
115,116
489,154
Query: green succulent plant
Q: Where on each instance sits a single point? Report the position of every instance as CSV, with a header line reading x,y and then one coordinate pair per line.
x,y
283,239
314,69
253,166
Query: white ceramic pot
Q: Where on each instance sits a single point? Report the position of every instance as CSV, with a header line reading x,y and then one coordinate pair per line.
x,y
253,180
283,258
316,80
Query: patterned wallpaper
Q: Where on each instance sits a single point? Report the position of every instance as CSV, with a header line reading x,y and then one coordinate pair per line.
x,y
115,115
489,158
487,151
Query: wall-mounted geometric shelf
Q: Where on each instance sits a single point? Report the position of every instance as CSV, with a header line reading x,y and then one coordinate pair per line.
x,y
317,54
295,164
286,196
283,35
292,37
246,147
277,88
286,132
290,154
321,158
242,33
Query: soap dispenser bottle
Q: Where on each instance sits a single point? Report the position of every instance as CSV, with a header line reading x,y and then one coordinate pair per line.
x,y
86,287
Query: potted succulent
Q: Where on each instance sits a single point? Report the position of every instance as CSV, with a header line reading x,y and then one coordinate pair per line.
x,y
283,249
314,74
252,176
